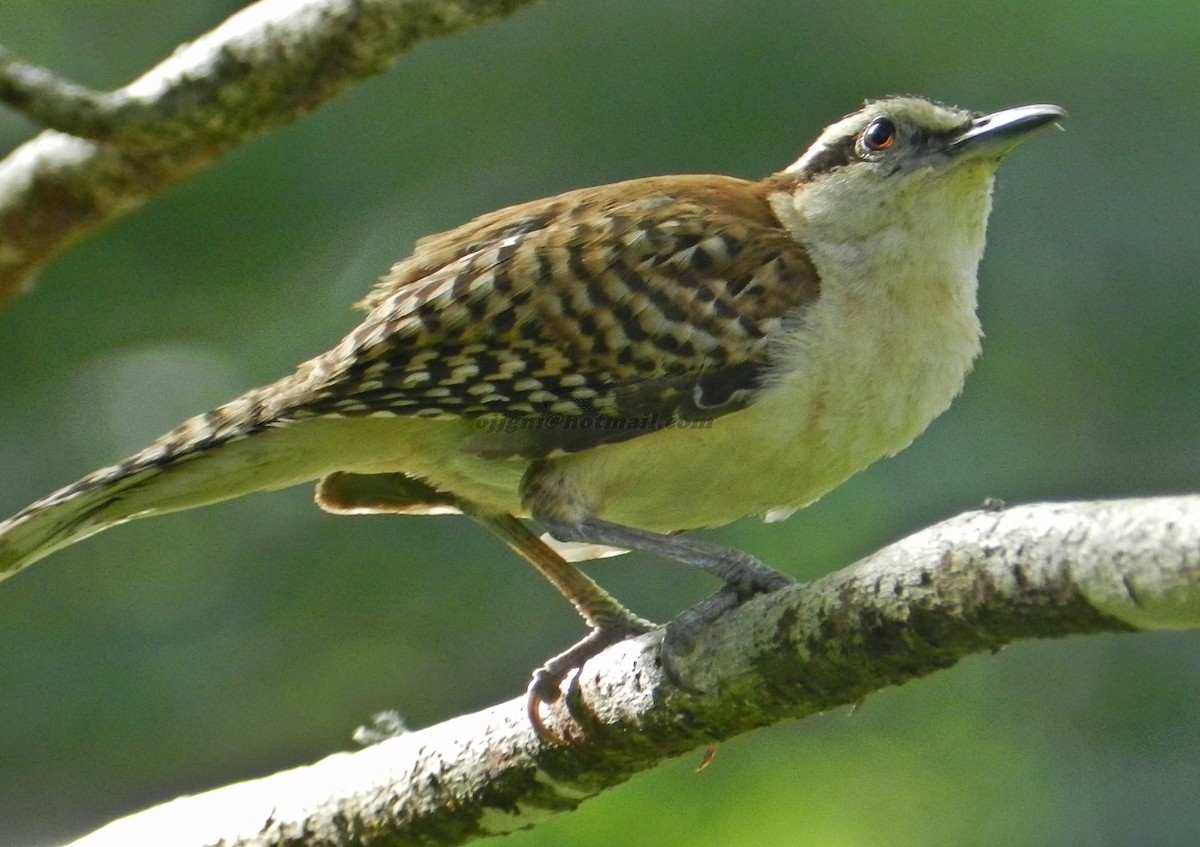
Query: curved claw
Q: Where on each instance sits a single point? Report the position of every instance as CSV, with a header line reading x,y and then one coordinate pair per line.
x,y
546,685
533,709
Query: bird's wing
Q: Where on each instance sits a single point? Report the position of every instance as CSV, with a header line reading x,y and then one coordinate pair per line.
x,y
643,303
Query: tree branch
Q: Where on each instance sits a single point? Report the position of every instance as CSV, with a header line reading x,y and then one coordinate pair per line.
x,y
971,584
107,153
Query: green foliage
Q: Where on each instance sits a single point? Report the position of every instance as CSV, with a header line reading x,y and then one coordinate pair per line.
x,y
185,652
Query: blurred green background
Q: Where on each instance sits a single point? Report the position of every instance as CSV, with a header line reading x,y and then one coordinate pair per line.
x,y
173,655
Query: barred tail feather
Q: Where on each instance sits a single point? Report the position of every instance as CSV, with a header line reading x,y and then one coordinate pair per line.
x,y
165,477
66,516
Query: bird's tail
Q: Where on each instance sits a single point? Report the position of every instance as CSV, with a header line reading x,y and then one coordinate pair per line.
x,y
233,450
71,514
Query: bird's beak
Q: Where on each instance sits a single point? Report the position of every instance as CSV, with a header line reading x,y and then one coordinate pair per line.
x,y
998,133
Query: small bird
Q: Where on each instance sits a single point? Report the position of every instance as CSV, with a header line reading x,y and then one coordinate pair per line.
x,y
622,363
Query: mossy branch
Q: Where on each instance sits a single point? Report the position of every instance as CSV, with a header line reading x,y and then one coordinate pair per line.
x,y
971,584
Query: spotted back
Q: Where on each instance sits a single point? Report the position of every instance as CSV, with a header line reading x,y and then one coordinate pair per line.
x,y
631,306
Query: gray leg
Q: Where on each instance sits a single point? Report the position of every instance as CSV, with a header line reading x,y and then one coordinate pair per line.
x,y
743,574
741,571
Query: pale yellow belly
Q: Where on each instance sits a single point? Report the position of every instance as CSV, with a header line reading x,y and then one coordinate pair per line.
x,y
782,453
770,456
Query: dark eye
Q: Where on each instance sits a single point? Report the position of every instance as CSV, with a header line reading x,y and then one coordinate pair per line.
x,y
879,135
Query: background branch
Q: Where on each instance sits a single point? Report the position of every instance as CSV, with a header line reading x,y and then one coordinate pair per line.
x,y
107,153
973,583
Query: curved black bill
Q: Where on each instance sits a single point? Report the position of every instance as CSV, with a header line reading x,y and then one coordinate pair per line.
x,y
1001,131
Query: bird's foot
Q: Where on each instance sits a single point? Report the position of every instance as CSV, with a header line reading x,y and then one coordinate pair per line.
x,y
681,633
745,576
545,689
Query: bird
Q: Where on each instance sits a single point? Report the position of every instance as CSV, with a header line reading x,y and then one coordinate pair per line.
x,y
621,364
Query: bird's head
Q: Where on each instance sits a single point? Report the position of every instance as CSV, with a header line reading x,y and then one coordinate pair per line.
x,y
903,162
901,135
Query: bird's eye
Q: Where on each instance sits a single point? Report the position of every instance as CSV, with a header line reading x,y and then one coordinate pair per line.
x,y
879,135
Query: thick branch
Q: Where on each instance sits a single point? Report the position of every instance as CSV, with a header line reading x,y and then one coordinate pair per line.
x,y
108,152
971,584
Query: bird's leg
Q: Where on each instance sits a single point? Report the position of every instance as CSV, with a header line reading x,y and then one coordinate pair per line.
x,y
743,574
738,570
599,609
610,622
